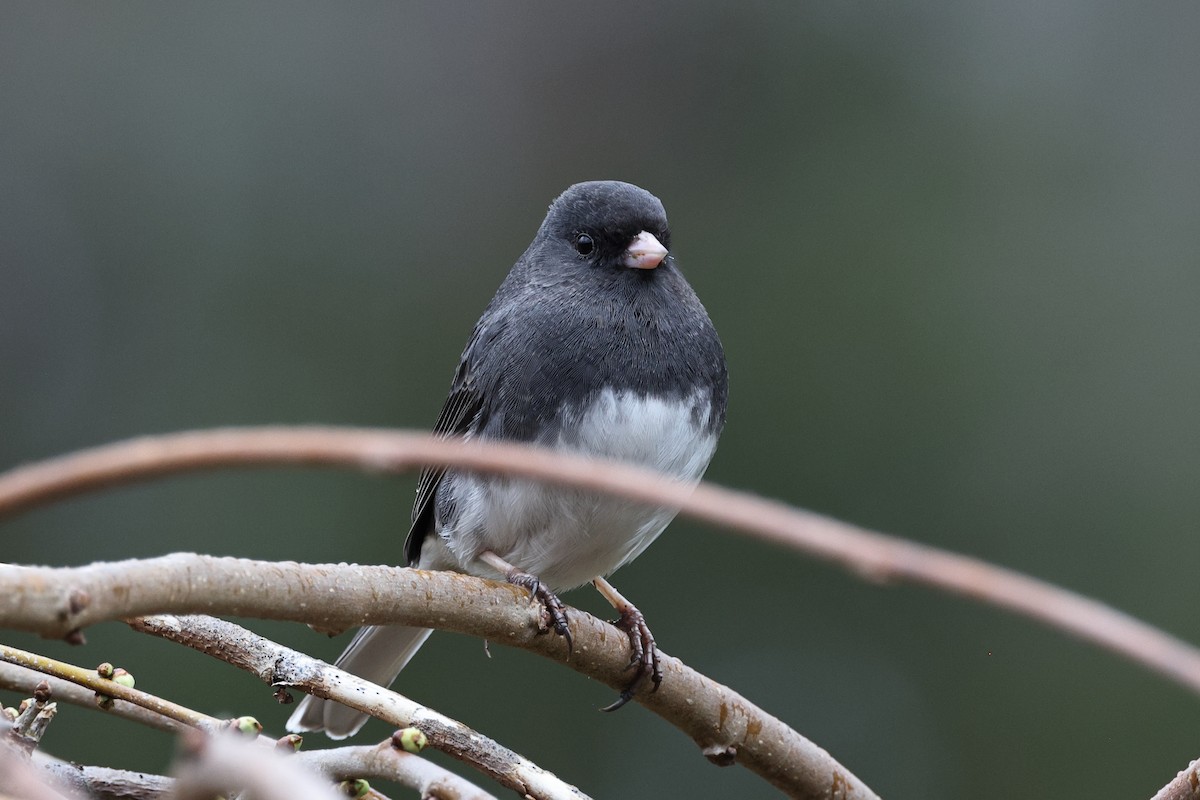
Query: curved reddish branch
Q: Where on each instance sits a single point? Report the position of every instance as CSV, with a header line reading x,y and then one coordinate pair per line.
x,y
873,555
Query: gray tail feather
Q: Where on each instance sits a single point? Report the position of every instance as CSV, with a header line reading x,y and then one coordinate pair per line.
x,y
377,653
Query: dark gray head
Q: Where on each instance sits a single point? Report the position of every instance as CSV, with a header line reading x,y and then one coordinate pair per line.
x,y
606,224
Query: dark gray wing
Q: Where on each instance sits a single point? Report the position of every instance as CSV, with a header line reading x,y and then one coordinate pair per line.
x,y
459,415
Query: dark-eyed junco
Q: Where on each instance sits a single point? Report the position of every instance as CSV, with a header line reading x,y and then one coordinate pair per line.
x,y
595,344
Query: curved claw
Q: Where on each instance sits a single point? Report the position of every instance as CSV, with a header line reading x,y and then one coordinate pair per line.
x,y
643,657
623,698
554,608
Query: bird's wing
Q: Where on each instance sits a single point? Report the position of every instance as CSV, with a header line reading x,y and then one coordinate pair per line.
x,y
460,415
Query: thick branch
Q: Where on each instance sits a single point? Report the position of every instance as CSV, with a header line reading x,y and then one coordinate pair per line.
x,y
21,780
1184,786
873,555
103,783
725,725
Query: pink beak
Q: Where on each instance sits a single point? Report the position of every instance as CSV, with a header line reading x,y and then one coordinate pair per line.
x,y
644,252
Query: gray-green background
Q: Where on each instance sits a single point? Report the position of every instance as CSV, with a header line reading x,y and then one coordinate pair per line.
x,y
952,249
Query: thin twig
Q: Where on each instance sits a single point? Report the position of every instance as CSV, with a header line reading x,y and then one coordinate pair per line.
x,y
873,555
22,671
23,679
106,687
213,765
336,763
386,762
277,665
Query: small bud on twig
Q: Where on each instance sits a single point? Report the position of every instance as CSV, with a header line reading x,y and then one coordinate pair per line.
x,y
410,740
246,726
357,787
290,743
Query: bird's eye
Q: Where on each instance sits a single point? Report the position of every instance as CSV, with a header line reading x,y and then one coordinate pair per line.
x,y
584,244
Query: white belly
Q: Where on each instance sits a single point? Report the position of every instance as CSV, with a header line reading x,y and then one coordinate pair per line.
x,y
568,537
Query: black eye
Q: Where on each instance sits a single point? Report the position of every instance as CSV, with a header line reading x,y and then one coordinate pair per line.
x,y
584,244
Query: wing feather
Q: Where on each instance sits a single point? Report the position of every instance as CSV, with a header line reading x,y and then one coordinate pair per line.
x,y
461,414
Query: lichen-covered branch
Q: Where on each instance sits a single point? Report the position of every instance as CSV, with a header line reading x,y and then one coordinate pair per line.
x,y
281,666
1184,786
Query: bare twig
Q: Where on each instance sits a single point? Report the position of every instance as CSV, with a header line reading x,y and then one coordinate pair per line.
x,y
106,687
336,763
385,761
215,765
281,666
727,727
15,675
34,719
23,679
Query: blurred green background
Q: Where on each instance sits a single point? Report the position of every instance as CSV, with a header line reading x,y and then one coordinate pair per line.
x,y
951,248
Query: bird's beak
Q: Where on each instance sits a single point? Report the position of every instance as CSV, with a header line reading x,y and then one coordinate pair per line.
x,y
644,252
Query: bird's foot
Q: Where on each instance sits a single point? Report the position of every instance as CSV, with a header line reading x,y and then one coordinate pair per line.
x,y
554,608
644,657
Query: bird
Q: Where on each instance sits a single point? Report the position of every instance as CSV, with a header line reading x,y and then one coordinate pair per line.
x,y
593,344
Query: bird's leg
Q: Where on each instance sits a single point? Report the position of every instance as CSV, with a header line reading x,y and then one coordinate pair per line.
x,y
537,593
644,653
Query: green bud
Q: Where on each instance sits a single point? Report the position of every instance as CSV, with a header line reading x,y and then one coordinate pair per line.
x,y
354,788
410,740
290,743
247,726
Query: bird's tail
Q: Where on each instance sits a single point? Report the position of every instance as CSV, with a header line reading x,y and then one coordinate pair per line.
x,y
377,653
